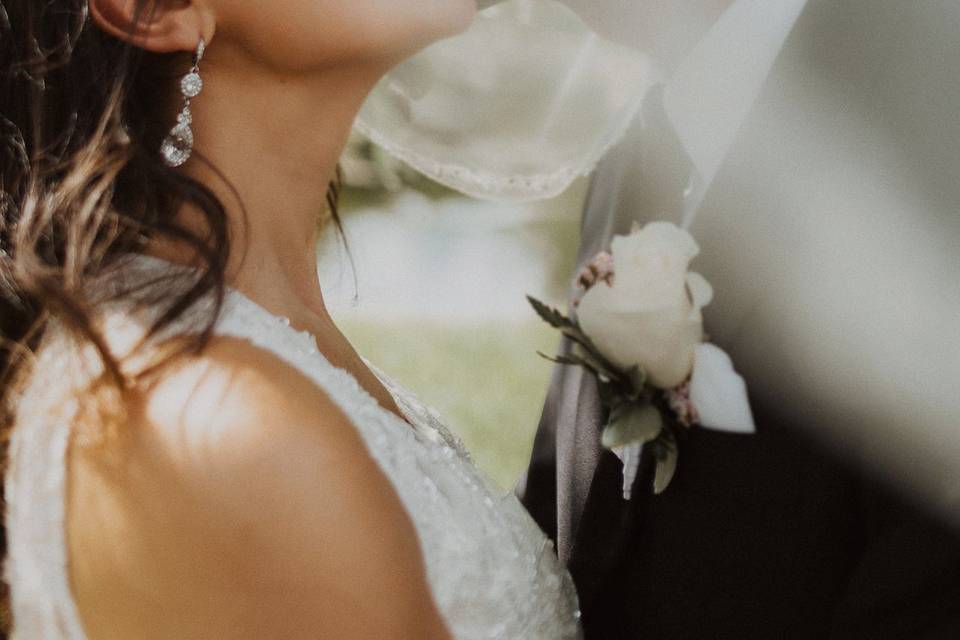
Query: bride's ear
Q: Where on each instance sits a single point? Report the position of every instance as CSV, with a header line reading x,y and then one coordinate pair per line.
x,y
160,26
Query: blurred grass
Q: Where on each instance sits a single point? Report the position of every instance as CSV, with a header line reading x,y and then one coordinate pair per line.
x,y
484,377
486,380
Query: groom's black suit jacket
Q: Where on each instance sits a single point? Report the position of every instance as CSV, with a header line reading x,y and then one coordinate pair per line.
x,y
762,537
774,535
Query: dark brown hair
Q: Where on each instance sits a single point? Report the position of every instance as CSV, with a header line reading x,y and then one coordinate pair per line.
x,y
82,117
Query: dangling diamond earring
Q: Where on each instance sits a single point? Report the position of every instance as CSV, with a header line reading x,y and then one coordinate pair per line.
x,y
178,145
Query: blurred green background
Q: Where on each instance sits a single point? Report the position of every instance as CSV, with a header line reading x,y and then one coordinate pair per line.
x,y
432,291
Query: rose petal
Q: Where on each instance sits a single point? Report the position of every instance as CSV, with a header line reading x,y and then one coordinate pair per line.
x,y
661,342
700,290
719,393
645,318
663,233
652,263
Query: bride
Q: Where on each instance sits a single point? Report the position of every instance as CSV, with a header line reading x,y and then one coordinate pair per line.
x,y
196,451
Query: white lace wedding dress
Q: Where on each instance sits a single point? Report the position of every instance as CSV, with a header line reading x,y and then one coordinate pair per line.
x,y
492,571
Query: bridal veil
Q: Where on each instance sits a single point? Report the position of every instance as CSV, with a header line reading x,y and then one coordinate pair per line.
x,y
531,97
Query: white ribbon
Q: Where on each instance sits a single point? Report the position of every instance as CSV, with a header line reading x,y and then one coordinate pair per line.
x,y
712,92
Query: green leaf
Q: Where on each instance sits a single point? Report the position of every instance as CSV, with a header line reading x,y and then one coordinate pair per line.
x,y
561,359
572,330
600,362
613,388
575,333
601,366
630,423
631,382
551,316
666,468
573,360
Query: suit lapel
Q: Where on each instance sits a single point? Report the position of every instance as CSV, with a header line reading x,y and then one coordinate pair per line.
x,y
608,525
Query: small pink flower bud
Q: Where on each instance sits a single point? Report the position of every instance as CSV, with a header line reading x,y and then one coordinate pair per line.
x,y
600,269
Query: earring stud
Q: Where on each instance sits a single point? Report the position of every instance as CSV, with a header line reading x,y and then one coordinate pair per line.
x,y
178,145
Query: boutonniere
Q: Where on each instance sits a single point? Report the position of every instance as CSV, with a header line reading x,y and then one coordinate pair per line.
x,y
638,327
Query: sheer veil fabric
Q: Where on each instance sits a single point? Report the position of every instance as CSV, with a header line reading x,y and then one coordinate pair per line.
x,y
531,97
516,108
824,197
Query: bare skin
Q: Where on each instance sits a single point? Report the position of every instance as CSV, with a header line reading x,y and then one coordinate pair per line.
x,y
239,501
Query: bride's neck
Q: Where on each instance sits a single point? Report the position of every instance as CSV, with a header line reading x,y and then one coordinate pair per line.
x,y
268,147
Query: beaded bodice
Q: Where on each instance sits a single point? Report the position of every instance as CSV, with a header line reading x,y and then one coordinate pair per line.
x,y
492,572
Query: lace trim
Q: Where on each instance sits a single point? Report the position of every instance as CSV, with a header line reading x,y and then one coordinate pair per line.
x,y
37,566
486,185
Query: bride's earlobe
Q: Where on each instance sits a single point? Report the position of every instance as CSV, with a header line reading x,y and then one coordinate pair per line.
x,y
161,28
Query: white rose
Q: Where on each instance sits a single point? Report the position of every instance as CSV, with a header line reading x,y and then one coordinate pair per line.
x,y
650,316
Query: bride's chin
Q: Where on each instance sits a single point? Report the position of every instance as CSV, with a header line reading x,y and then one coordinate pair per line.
x,y
445,19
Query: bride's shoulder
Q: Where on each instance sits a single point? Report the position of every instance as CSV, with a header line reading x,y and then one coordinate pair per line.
x,y
236,468
241,397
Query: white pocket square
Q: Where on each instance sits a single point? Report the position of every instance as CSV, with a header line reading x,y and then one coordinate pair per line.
x,y
719,393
